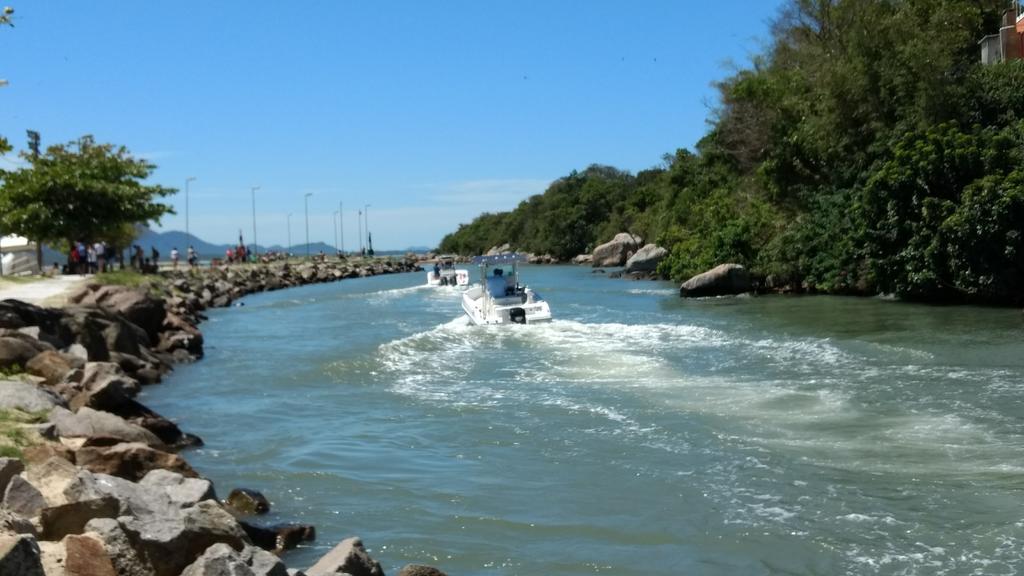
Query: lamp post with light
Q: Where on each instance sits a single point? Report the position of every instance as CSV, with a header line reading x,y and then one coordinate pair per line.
x,y
308,194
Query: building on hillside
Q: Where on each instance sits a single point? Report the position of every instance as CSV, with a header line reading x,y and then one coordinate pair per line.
x,y
1008,44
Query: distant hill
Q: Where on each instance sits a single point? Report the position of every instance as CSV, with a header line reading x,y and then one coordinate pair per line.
x,y
165,241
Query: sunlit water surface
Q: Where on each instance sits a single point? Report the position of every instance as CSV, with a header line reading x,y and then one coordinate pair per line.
x,y
636,434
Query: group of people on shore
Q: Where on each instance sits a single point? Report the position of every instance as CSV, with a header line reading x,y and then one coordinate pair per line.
x,y
89,258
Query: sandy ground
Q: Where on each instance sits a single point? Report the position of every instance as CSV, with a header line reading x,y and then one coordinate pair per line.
x,y
47,291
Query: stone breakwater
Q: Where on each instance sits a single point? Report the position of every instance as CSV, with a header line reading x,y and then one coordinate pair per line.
x,y
95,483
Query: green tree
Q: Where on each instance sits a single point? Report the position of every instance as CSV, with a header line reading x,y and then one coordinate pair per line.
x,y
80,191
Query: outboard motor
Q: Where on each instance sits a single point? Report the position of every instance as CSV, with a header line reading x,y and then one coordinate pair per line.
x,y
517,316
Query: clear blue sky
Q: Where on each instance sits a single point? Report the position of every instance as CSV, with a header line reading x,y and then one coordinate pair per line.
x,y
431,112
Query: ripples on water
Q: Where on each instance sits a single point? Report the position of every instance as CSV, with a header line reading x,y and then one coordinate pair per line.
x,y
637,433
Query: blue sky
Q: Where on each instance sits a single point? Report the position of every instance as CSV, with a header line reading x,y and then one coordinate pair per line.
x,y
431,112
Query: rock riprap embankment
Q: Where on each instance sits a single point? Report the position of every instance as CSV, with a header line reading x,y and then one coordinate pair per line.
x,y
99,486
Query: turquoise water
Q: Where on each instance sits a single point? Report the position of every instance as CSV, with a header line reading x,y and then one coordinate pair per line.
x,y
636,434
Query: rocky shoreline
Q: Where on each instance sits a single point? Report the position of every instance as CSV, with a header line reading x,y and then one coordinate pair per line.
x,y
94,482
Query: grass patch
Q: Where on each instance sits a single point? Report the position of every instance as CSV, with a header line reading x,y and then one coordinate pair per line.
x,y
15,435
123,278
20,279
12,370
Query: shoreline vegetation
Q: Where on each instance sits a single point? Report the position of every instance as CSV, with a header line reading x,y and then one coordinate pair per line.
x,y
93,481
866,150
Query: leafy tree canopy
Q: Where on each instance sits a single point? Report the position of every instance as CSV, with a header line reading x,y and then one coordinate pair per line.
x,y
865,149
81,190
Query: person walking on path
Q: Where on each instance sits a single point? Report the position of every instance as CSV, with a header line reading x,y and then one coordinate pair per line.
x,y
192,258
154,257
174,257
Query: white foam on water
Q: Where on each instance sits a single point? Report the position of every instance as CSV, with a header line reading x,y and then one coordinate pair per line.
x,y
653,291
385,296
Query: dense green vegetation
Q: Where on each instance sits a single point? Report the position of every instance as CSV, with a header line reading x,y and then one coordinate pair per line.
x,y
867,150
80,191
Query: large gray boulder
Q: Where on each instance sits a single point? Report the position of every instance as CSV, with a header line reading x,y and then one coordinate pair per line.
x,y
171,542
117,546
616,251
181,492
646,259
16,394
348,557
20,555
89,423
135,304
721,280
23,498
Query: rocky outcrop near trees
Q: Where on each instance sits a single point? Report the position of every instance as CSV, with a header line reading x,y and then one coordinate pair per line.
x,y
646,260
617,251
722,280
101,488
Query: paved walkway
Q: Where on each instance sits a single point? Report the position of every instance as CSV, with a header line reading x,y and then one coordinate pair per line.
x,y
48,291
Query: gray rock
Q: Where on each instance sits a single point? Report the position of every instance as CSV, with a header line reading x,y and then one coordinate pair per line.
x,y
181,491
23,498
721,280
348,557
11,524
89,423
16,349
616,251
218,560
246,501
78,351
263,563
27,396
583,259
172,542
20,556
119,548
9,468
59,521
646,259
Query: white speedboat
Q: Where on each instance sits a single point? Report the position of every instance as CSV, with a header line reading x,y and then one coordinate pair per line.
x,y
499,298
446,274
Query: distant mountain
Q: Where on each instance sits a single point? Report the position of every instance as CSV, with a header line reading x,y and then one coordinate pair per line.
x,y
165,241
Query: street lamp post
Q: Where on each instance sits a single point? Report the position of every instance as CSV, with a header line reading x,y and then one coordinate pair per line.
x,y
188,235
288,249
308,194
334,220
366,215
341,223
359,220
255,246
